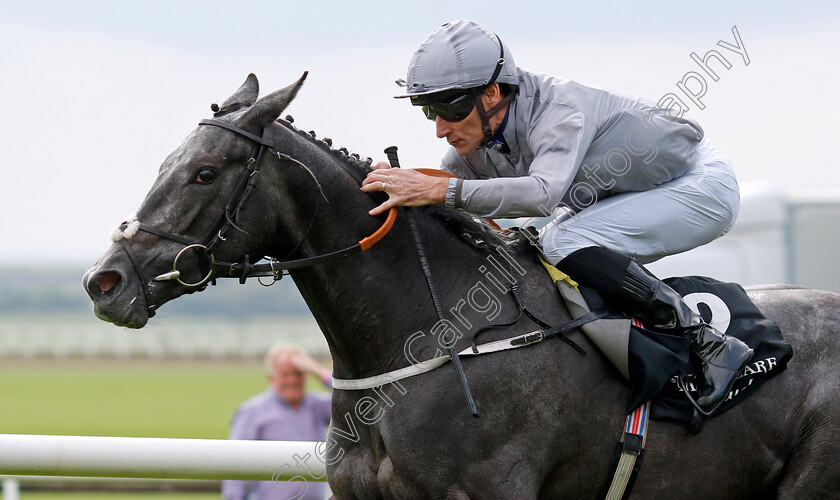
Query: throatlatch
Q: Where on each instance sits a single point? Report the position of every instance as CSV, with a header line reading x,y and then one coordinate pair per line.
x,y
485,115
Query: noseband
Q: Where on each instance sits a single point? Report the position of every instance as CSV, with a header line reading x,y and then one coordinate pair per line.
x,y
229,218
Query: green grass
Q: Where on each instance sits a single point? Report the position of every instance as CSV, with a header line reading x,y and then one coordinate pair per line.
x,y
146,399
190,399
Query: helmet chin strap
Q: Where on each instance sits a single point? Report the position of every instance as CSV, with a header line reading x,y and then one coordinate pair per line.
x,y
487,114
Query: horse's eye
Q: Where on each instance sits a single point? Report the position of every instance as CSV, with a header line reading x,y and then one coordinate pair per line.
x,y
205,176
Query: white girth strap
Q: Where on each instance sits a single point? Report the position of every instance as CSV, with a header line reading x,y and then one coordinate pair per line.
x,y
431,364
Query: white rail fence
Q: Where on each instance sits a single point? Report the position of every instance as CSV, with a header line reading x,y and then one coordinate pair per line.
x,y
161,458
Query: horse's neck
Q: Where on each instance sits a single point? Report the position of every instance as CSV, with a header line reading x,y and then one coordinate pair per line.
x,y
352,298
370,305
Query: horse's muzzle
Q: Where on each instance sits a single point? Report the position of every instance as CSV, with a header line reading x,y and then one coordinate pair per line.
x,y
117,297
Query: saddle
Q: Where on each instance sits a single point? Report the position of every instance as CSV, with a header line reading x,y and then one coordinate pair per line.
x,y
656,365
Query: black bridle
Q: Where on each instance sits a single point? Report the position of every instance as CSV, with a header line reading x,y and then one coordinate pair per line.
x,y
229,218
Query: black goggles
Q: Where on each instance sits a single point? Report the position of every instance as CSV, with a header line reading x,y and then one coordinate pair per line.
x,y
453,109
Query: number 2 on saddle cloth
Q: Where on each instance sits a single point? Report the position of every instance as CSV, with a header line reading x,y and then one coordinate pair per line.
x,y
655,359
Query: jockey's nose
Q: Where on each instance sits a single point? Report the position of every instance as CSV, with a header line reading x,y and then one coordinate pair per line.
x,y
442,127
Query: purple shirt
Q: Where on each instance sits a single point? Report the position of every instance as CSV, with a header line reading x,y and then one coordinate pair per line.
x,y
267,417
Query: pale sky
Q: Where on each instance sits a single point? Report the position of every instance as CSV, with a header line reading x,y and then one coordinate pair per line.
x,y
97,93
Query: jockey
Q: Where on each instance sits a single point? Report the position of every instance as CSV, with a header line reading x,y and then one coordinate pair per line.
x,y
639,182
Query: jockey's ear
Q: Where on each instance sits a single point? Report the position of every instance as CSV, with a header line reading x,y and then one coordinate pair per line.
x,y
492,95
267,109
242,98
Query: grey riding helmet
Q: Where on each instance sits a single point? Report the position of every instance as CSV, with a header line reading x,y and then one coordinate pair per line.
x,y
458,55
460,58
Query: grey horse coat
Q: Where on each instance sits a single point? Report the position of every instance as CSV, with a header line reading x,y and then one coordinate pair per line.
x,y
550,418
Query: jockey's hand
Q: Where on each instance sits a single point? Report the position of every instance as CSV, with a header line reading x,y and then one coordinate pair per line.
x,y
405,187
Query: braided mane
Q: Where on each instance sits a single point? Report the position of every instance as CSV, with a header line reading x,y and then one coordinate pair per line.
x,y
470,228
351,159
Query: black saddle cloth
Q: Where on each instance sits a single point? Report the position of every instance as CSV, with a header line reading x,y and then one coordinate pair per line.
x,y
657,359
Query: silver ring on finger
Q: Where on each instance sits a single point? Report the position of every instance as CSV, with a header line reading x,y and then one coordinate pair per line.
x,y
384,186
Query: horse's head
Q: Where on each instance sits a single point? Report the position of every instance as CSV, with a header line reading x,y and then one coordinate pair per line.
x,y
195,214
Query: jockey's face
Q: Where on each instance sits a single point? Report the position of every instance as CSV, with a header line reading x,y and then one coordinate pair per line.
x,y
467,135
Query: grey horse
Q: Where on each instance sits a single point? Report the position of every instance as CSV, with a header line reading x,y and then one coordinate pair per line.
x,y
549,418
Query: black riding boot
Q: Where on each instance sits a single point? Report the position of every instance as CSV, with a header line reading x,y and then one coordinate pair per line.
x,y
720,357
623,281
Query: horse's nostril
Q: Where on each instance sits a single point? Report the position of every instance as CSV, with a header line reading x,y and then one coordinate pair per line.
x,y
107,281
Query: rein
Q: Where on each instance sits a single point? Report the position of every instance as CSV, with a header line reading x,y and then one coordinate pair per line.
x,y
277,268
211,268
391,152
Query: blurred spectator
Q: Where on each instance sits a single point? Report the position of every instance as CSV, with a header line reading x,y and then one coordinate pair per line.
x,y
284,412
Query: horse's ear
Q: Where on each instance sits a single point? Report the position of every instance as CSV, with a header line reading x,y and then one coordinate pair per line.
x,y
267,109
242,98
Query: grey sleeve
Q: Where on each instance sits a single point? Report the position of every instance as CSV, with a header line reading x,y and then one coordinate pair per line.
x,y
559,139
458,166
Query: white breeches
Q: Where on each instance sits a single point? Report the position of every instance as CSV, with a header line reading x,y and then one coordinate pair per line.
x,y
670,218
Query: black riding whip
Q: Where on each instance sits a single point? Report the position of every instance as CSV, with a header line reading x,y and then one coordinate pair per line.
x,y
391,152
